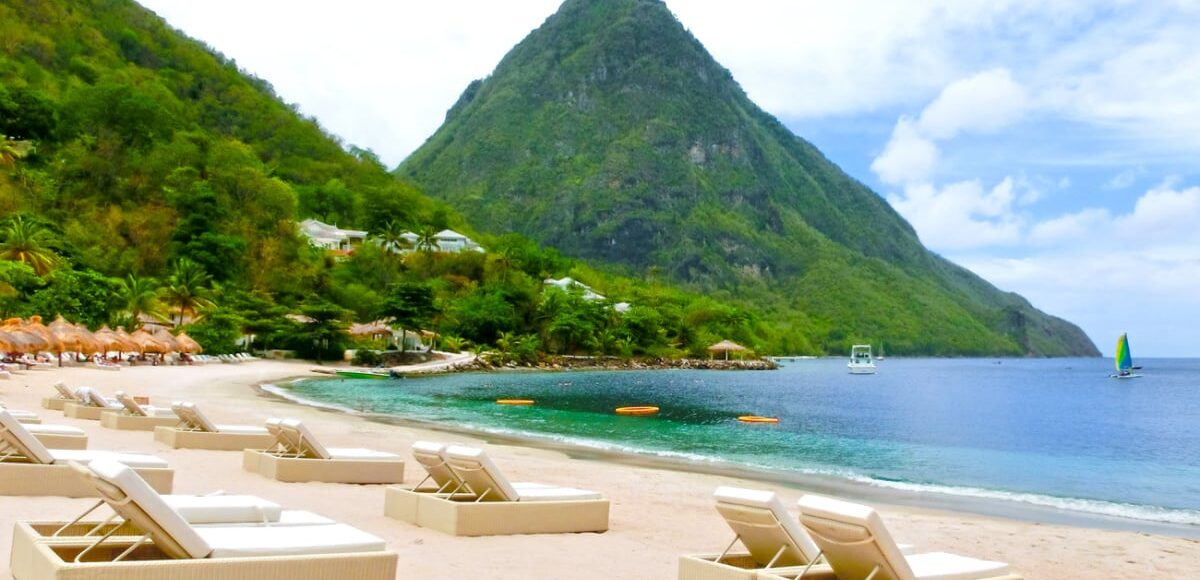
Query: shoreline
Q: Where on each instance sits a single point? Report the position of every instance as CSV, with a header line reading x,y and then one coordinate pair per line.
x,y
658,512
829,484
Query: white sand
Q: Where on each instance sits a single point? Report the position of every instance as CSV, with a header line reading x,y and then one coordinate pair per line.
x,y
656,514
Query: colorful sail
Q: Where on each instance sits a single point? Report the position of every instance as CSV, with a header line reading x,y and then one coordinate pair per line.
x,y
1123,359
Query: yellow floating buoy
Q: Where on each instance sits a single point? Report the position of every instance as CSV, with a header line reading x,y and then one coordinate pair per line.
x,y
647,410
515,401
757,419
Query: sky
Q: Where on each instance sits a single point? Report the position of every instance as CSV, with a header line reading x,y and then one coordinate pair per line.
x,y
1050,147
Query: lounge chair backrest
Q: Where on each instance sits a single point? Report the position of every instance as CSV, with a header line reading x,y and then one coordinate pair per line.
x,y
65,392
90,397
131,405
480,474
190,414
764,526
14,435
432,457
282,438
130,496
306,443
853,539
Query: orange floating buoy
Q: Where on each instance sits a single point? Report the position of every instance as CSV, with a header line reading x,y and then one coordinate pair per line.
x,y
647,410
757,419
515,401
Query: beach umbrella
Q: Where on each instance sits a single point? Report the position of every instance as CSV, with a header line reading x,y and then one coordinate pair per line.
x,y
88,341
24,340
68,337
112,340
188,344
35,327
166,339
146,342
726,347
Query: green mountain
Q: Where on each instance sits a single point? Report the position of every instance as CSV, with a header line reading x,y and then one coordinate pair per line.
x,y
142,174
611,134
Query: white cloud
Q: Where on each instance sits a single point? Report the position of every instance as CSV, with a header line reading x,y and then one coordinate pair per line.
x,y
982,103
908,157
961,215
1069,227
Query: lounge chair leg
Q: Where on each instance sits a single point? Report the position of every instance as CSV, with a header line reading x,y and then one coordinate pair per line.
x,y
131,548
874,571
812,563
76,520
482,495
728,548
775,558
96,544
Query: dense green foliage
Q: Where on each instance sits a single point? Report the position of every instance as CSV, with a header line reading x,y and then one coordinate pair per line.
x,y
143,175
611,134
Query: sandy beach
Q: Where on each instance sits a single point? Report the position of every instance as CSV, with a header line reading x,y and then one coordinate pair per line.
x,y
656,515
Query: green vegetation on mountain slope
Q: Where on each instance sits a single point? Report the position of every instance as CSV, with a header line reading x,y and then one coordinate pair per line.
x,y
142,174
611,134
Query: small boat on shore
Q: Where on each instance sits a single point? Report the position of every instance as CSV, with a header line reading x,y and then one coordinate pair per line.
x,y
1123,360
861,362
364,374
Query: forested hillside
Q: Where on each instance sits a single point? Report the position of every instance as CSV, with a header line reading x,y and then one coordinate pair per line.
x,y
143,174
611,134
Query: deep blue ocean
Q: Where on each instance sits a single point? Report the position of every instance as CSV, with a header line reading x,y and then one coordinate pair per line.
x,y
1053,432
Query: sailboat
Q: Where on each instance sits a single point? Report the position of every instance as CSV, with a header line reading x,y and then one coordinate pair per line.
x,y
1123,360
880,357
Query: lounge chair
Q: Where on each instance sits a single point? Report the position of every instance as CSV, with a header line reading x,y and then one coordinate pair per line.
x,y
299,456
134,416
26,417
487,503
90,405
432,457
773,539
63,395
196,431
58,436
856,544
27,467
172,548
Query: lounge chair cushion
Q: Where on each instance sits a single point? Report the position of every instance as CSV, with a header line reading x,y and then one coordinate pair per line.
x,y
88,396
87,455
360,454
18,437
764,525
241,429
431,456
223,509
246,542
20,414
55,430
478,470
304,438
944,566
540,493
65,392
852,537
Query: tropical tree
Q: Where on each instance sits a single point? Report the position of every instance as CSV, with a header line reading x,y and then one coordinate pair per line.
x,y
391,237
138,296
427,240
28,242
188,288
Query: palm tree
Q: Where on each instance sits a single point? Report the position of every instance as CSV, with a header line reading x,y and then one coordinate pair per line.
x,y
11,150
392,237
140,296
28,242
187,288
427,240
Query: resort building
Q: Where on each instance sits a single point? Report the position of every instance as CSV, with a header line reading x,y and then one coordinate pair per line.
x,y
566,284
445,241
323,235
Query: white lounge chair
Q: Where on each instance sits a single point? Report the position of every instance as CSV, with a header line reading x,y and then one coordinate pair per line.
x,y
856,544
196,431
58,436
27,417
134,416
301,457
63,395
172,548
90,404
27,467
432,457
487,503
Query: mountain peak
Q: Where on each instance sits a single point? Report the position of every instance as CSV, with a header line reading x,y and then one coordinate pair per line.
x,y
611,133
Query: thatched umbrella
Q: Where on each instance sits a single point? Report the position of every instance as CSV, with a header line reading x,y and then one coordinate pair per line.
x,y
111,340
164,338
726,347
188,344
69,338
34,326
24,340
146,342
88,340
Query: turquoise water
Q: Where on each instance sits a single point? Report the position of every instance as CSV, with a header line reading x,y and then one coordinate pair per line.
x,y
1056,433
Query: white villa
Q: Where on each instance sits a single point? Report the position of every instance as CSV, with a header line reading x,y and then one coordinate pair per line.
x,y
323,235
567,283
447,241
